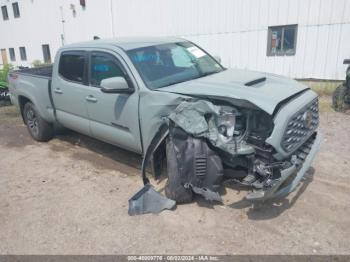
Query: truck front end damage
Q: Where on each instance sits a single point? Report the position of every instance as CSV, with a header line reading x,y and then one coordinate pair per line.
x,y
207,138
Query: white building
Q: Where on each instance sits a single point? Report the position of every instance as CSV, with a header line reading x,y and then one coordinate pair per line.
x,y
296,38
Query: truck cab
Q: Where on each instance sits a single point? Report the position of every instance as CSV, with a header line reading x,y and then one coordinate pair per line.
x,y
81,105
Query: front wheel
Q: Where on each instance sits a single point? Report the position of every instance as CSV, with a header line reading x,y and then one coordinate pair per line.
x,y
38,128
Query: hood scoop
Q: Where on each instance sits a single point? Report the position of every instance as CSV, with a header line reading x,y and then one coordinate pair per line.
x,y
255,81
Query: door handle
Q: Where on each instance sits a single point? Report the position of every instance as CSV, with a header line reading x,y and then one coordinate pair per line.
x,y
58,91
91,98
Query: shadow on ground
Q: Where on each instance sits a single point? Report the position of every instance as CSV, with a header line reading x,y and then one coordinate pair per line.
x,y
100,154
272,208
263,210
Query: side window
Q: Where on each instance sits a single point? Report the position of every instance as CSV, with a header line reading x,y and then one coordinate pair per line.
x,y
102,67
72,66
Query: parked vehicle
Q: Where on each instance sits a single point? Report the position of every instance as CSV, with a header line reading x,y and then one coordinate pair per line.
x,y
341,95
170,101
4,91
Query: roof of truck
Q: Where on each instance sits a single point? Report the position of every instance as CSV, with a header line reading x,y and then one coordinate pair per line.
x,y
127,43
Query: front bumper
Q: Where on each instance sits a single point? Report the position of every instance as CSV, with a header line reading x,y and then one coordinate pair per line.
x,y
276,190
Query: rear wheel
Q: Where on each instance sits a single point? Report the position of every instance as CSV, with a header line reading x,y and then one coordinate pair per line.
x,y
38,128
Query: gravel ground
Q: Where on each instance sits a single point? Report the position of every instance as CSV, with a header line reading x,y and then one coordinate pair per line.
x,y
70,196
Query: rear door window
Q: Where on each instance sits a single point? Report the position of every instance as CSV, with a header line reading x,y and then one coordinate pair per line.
x,y
72,66
104,66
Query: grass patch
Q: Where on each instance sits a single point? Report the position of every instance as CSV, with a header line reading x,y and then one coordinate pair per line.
x,y
322,87
325,104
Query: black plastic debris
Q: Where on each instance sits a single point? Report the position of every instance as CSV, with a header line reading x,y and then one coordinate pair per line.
x,y
207,194
148,200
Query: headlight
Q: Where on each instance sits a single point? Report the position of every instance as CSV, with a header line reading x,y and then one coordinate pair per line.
x,y
226,123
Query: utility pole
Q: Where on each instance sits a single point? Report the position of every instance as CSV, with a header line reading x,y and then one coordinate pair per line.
x,y
112,18
63,35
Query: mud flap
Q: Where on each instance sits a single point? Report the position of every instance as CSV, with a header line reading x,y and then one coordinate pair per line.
x,y
148,200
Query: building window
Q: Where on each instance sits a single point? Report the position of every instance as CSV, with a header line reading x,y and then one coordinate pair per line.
x,y
23,53
5,14
282,40
46,53
83,3
15,7
12,54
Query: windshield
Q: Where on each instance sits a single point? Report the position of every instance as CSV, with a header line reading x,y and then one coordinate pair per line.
x,y
172,63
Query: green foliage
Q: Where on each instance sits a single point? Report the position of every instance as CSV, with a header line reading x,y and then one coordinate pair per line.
x,y
322,87
4,74
38,63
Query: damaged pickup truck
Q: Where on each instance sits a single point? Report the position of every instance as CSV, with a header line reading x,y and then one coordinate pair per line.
x,y
172,102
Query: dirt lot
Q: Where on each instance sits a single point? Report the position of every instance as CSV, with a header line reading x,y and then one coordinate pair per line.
x,y
70,196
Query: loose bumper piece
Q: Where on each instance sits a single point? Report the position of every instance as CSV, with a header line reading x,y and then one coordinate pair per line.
x,y
275,191
148,200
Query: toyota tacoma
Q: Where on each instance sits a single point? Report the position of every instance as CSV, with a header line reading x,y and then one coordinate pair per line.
x,y
170,101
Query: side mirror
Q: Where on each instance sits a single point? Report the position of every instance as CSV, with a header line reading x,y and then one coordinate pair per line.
x,y
115,85
217,58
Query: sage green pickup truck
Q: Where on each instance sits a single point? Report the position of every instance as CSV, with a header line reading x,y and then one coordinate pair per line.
x,y
170,101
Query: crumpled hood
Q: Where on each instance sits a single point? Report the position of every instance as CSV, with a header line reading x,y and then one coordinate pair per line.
x,y
231,83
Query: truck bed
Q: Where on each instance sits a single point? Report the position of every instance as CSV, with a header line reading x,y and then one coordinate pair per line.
x,y
34,84
45,71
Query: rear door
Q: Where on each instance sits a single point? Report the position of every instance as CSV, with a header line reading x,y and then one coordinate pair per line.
x,y
70,91
114,117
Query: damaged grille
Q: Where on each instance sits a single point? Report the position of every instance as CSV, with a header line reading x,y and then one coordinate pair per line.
x,y
300,127
303,151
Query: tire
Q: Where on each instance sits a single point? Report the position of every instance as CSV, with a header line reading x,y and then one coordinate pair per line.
x,y
338,98
174,189
38,128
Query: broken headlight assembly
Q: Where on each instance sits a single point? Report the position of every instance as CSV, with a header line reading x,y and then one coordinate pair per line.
x,y
226,123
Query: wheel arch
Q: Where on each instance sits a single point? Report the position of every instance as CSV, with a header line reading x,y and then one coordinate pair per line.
x,y
22,100
155,153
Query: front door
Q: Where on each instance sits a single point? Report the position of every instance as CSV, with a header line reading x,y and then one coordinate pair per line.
x,y
70,91
4,57
114,117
